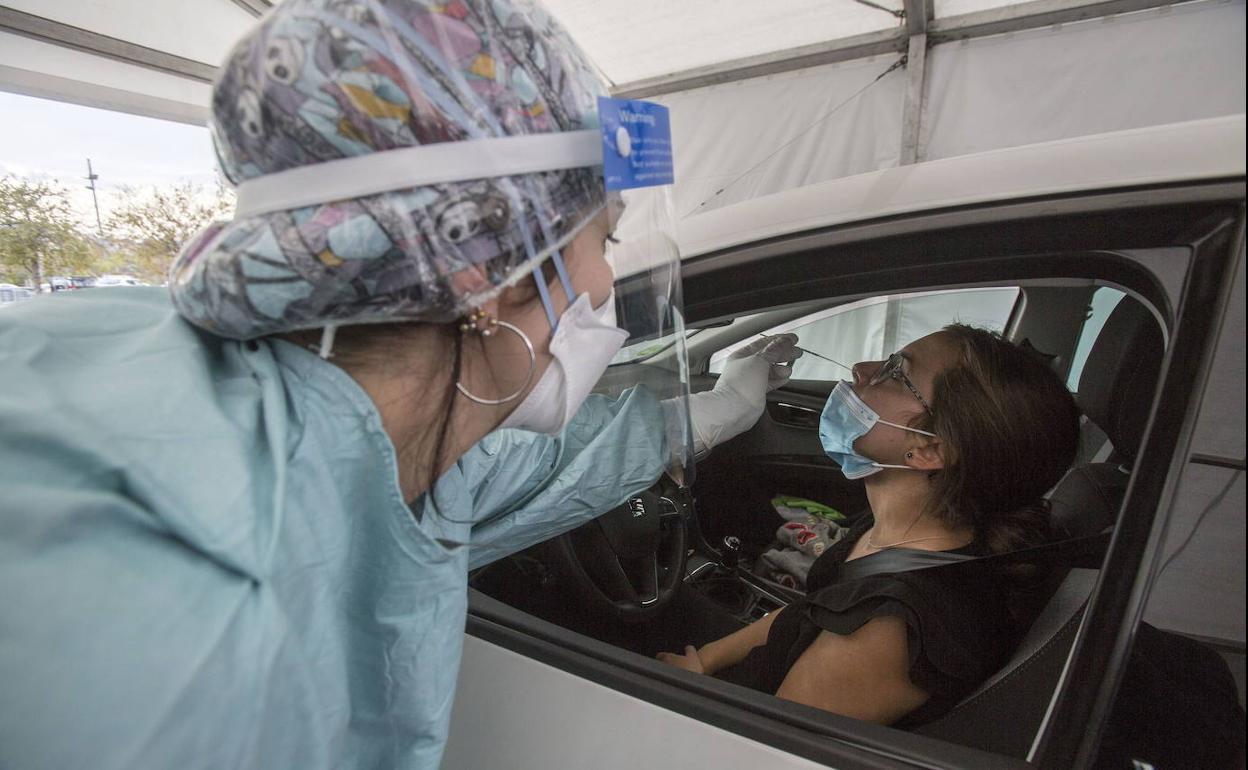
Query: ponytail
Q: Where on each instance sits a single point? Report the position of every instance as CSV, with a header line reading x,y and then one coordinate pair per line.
x,y
1009,430
1015,530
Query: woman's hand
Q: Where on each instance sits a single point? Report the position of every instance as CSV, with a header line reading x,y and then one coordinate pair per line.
x,y
689,661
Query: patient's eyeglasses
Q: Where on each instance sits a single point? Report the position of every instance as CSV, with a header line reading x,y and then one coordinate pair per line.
x,y
894,368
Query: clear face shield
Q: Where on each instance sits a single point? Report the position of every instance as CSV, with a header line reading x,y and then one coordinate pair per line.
x,y
328,213
637,165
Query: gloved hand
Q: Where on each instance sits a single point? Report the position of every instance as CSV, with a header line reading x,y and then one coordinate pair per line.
x,y
780,351
740,394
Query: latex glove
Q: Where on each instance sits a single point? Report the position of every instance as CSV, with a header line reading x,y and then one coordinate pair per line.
x,y
740,394
779,350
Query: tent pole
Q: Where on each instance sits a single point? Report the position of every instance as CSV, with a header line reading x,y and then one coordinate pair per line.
x,y
44,86
912,111
884,42
254,7
67,36
918,13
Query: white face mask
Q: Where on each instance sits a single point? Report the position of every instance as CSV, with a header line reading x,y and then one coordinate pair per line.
x,y
583,345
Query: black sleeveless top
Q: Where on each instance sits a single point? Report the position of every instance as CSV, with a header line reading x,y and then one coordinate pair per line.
x,y
958,625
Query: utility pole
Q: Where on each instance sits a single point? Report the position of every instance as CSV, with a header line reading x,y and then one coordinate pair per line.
x,y
91,177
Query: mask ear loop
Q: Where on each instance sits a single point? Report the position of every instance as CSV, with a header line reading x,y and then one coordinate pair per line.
x,y
909,455
544,292
907,427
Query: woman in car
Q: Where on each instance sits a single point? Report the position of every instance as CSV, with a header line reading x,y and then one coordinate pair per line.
x,y
958,437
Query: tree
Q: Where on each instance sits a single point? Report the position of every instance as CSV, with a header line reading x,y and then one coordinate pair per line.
x,y
38,232
149,228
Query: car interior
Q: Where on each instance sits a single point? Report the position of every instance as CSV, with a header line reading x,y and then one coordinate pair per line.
x,y
631,580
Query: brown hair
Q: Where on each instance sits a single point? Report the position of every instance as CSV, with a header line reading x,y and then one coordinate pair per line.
x,y
1009,430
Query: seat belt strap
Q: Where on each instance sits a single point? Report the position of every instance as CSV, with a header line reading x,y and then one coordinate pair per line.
x,y
1078,552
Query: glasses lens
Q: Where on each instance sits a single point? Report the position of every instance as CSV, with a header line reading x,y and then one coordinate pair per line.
x,y
887,370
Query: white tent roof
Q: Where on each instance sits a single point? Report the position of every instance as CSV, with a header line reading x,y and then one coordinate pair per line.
x,y
158,59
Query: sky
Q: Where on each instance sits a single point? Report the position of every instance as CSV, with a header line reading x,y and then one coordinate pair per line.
x,y
48,140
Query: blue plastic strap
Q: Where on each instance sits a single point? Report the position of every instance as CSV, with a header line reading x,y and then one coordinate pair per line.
x,y
557,258
544,293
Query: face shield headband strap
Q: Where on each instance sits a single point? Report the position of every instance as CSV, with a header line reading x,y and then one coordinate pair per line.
x,y
540,279
379,172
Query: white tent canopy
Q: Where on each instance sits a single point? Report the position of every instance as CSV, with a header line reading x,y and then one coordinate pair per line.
x,y
767,97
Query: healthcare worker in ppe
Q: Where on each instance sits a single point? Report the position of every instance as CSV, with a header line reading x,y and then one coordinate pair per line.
x,y
236,525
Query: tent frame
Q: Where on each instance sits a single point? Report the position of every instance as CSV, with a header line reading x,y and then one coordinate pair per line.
x,y
918,30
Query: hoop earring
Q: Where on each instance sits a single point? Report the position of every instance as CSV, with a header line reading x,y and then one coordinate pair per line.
x,y
471,326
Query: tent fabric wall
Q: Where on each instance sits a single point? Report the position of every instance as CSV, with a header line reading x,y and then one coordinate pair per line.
x,y
1143,69
1185,63
720,132
1212,563
1201,592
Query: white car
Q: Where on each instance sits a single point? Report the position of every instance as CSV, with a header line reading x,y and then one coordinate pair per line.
x,y
1121,255
117,280
10,293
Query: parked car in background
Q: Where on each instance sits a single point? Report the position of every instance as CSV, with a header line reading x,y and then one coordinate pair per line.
x,y
118,280
10,293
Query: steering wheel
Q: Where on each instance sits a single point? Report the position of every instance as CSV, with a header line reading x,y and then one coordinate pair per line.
x,y
630,561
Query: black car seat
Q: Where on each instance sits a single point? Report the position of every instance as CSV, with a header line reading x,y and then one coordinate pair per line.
x,y
1115,390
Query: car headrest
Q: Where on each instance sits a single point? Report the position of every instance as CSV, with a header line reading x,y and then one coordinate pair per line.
x,y
1116,386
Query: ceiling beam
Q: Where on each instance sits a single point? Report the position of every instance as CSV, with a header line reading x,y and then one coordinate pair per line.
x,y
1031,15
256,8
45,86
856,47
995,21
66,36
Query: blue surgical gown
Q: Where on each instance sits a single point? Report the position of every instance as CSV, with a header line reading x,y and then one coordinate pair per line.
x,y
206,560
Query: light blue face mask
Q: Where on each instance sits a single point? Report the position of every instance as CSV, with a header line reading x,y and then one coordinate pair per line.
x,y
845,419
